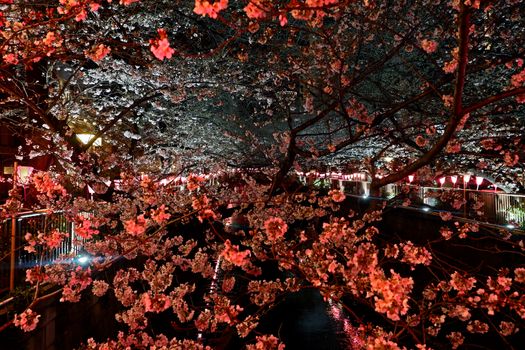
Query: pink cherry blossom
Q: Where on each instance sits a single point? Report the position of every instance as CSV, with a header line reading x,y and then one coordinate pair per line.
x,y
255,9
100,288
266,342
207,8
456,339
136,226
415,255
99,52
160,216
462,283
391,294
337,195
94,6
161,47
519,274
275,228
156,303
27,320
428,45
232,254
84,227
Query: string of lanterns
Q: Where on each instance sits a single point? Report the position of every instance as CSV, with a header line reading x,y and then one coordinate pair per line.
x,y
454,180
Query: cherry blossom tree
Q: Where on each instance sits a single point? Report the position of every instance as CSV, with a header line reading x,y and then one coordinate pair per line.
x,y
185,88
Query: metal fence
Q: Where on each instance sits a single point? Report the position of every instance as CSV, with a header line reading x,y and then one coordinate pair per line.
x,y
14,260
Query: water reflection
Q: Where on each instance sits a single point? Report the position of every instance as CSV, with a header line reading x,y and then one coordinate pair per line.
x,y
304,321
345,331
213,287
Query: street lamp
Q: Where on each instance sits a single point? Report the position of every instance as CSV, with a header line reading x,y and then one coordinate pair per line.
x,y
24,172
442,180
454,179
23,175
410,178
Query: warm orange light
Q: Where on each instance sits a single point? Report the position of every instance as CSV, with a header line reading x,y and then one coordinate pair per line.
x,y
24,172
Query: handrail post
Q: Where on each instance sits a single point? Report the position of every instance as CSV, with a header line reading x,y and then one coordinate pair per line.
x,y
13,236
13,251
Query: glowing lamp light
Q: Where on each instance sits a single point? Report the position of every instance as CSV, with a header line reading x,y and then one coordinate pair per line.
x,y
442,180
24,172
410,178
83,260
466,178
479,181
454,179
85,138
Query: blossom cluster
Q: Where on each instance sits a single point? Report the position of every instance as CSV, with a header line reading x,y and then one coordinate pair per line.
x,y
27,320
161,47
315,243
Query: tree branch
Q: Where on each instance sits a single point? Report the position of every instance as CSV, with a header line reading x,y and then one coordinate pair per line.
x,y
464,23
495,98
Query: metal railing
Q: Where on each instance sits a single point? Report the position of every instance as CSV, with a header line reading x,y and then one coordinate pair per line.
x,y
507,209
14,260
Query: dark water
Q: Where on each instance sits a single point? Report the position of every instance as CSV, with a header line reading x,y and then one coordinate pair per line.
x,y
305,321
